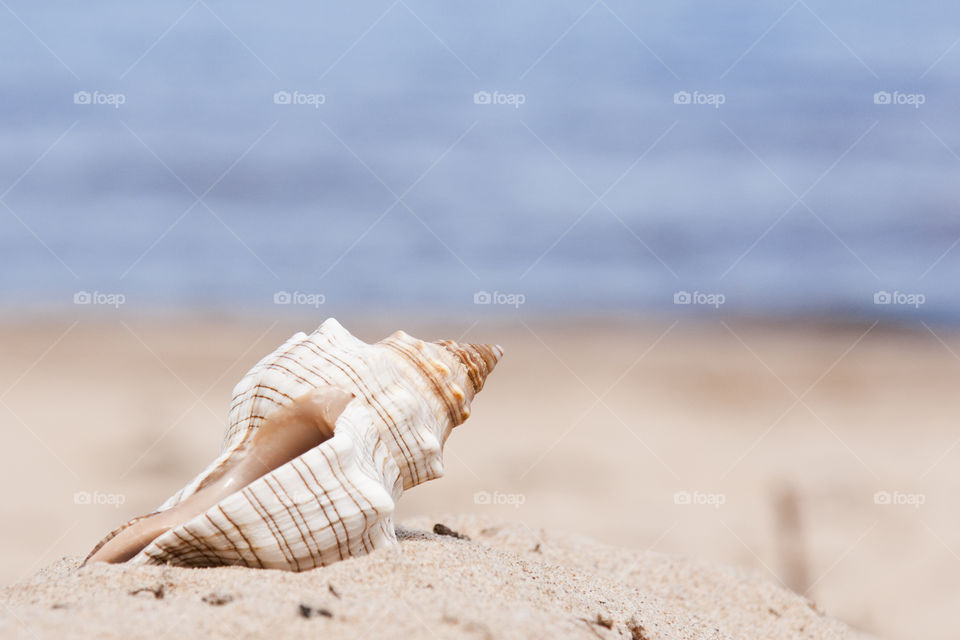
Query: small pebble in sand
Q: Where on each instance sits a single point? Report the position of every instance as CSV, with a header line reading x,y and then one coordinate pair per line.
x,y
307,611
600,621
444,530
606,623
637,632
217,599
157,591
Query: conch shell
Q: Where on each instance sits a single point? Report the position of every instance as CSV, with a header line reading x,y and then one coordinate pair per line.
x,y
324,436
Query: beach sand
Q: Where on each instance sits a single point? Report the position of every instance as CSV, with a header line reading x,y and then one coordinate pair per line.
x,y
822,457
505,582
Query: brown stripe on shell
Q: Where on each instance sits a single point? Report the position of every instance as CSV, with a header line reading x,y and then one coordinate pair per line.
x,y
270,521
324,509
240,531
345,480
318,556
206,549
339,518
289,506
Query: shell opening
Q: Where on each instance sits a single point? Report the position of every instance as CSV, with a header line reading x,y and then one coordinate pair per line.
x,y
287,433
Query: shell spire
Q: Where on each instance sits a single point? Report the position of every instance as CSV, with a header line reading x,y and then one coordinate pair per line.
x,y
479,359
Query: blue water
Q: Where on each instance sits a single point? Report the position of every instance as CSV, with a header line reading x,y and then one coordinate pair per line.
x,y
496,197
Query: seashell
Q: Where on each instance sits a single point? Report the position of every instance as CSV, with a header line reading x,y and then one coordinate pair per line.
x,y
324,435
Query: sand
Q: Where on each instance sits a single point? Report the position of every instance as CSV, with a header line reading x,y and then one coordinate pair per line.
x,y
505,582
592,427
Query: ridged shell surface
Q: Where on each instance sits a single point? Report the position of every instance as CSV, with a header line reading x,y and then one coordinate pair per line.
x,y
337,499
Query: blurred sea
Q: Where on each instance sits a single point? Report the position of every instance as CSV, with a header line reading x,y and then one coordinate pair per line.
x,y
591,186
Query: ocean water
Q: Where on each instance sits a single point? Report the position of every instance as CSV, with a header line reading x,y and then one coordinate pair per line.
x,y
763,157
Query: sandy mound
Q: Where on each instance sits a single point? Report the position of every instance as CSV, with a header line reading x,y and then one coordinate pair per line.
x,y
505,582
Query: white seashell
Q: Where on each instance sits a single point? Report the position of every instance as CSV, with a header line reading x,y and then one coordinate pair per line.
x,y
325,434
